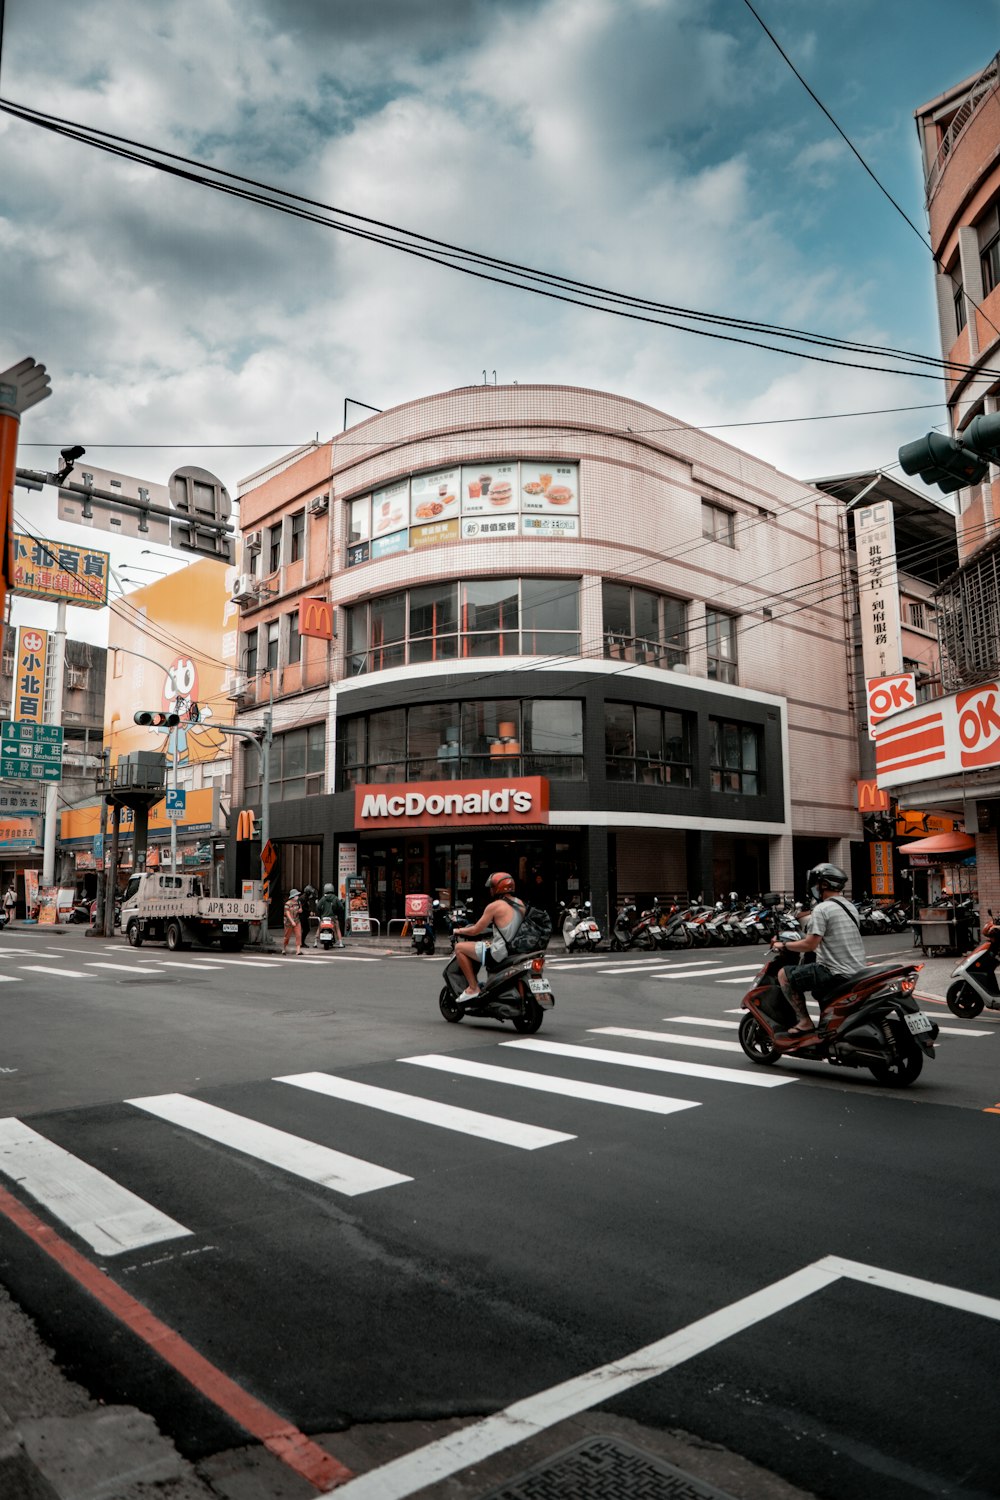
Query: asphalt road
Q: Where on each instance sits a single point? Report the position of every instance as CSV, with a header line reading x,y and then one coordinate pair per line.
x,y
348,1263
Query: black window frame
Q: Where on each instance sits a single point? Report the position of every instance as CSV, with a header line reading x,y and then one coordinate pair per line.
x,y
668,649
296,536
629,763
287,781
718,523
722,668
728,773
274,547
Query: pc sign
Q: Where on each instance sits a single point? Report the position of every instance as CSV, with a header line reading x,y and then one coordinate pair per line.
x,y
889,695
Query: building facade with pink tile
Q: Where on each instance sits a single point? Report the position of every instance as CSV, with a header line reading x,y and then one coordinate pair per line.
x,y
572,637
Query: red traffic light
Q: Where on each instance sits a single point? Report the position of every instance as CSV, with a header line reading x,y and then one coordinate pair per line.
x,y
152,719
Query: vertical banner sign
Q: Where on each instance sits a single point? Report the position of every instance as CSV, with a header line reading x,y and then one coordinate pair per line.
x,y
29,674
347,865
357,904
881,858
878,591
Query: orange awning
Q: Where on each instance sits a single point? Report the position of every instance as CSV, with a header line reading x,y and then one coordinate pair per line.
x,y
941,843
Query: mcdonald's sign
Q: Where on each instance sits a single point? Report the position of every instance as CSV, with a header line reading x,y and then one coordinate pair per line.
x,y
246,825
871,798
316,618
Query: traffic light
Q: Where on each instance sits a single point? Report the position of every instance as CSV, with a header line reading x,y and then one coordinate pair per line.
x,y
151,719
952,463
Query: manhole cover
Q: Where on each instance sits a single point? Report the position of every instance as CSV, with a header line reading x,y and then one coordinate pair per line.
x,y
602,1469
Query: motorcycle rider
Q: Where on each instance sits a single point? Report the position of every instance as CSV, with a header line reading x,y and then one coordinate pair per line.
x,y
505,918
329,905
834,936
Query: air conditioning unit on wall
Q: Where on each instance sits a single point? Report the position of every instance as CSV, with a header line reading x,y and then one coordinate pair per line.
x,y
245,589
252,541
319,505
236,686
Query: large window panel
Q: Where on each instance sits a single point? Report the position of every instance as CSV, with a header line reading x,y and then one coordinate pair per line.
x,y
431,727
648,745
387,745
644,627
720,631
736,761
388,631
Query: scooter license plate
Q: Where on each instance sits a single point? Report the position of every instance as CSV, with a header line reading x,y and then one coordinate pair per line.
x,y
420,932
230,926
539,986
918,1022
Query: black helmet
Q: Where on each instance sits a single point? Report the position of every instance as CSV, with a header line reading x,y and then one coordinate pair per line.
x,y
500,884
832,876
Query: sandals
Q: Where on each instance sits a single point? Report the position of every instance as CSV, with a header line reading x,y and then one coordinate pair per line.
x,y
469,995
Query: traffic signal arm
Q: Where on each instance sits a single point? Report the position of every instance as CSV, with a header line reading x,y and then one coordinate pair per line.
x,y
952,463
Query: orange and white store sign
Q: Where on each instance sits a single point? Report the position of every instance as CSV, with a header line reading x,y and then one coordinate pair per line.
x,y
452,804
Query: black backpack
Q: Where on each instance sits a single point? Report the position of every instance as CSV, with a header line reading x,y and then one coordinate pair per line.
x,y
534,931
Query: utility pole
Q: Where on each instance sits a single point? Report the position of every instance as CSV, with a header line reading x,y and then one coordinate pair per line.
x,y
262,740
52,714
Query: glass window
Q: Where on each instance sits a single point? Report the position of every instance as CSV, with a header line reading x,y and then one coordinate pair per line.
x,y
991,266
388,631
359,520
297,536
718,524
294,639
357,639
648,745
274,548
273,632
387,745
720,631
249,653
736,758
550,604
432,735
434,622
643,626
960,312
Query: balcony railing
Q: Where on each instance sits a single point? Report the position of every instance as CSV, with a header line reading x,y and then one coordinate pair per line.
x,y
968,621
983,87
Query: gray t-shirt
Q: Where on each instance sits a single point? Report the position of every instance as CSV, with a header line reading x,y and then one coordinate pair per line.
x,y
841,949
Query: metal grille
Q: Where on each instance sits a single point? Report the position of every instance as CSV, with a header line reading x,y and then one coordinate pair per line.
x,y
605,1469
968,619
981,89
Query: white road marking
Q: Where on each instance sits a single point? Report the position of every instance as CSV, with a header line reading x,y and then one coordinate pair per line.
x,y
711,1042
109,1217
741,980
430,1112
61,973
963,1031
9,979
123,968
739,1011
332,1169
524,1419
596,1093
724,969
699,1021
645,969
654,1064
169,963
6,952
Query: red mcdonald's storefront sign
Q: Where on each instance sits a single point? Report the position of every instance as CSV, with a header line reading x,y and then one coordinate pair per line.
x,y
452,804
871,797
316,618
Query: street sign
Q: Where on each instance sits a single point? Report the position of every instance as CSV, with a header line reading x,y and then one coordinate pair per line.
x,y
176,802
31,752
269,856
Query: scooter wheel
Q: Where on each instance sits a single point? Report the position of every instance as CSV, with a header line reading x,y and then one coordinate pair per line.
x,y
756,1043
532,1018
963,1000
615,945
450,1008
902,1071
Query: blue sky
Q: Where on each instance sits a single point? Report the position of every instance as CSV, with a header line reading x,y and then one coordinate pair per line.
x,y
657,146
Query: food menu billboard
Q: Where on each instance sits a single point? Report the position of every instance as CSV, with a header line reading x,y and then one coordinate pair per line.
x,y
483,501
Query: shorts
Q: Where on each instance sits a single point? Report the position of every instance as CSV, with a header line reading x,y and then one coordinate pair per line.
x,y
805,978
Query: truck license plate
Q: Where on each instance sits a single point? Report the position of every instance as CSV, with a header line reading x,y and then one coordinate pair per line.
x,y
918,1022
230,926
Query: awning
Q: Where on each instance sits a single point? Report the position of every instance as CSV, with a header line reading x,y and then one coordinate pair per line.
x,y
941,843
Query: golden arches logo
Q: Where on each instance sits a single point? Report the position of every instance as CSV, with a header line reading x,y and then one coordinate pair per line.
x,y
316,618
246,825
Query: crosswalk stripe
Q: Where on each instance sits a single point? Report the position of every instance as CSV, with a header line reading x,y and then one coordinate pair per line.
x,y
742,980
123,968
61,973
963,1031
711,1042
109,1217
9,979
6,952
654,1064
645,969
699,1021
429,1111
333,1169
546,1083
169,963
723,969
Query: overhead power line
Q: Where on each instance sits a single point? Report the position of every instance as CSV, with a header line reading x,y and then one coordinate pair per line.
x,y
484,266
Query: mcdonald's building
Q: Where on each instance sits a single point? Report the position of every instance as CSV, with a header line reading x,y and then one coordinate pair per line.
x,y
531,628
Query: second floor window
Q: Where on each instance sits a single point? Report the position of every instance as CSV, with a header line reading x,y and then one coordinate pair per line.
x,y
298,759
294,639
643,627
918,617
250,654
736,758
959,309
720,631
991,265
718,524
273,633
648,745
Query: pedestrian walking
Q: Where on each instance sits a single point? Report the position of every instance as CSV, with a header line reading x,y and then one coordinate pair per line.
x,y
10,902
307,901
293,922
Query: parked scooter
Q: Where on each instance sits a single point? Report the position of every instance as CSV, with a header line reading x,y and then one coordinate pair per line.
x,y
632,930
518,992
977,986
580,932
870,1020
80,913
422,930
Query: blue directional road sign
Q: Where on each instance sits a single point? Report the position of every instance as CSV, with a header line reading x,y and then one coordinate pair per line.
x,y
176,803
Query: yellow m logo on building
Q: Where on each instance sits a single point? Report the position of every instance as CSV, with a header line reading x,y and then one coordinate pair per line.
x,y
246,825
871,798
316,618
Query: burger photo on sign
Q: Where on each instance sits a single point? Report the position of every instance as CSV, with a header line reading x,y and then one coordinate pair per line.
x,y
488,489
549,488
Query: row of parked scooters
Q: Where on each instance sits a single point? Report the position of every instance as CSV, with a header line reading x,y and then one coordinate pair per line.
x,y
737,920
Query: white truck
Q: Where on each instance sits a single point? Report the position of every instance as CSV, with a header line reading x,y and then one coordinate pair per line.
x,y
174,909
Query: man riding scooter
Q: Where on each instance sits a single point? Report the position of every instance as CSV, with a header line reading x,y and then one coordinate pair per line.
x,y
834,936
505,917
